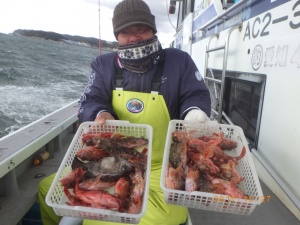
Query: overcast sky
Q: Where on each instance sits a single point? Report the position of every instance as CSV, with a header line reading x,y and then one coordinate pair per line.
x,y
77,17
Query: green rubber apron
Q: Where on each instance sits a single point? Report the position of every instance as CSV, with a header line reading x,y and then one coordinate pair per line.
x,y
150,108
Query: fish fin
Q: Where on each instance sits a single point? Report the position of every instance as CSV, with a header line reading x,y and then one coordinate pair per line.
x,y
97,179
214,142
216,134
144,151
208,153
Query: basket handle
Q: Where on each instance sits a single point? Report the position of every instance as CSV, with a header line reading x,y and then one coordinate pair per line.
x,y
86,125
118,122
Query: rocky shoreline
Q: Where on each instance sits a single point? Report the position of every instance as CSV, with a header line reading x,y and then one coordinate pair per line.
x,y
65,38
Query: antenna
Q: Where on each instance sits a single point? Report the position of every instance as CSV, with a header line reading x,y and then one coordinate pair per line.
x,y
100,43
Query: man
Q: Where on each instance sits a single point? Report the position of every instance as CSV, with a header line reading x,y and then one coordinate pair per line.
x,y
145,84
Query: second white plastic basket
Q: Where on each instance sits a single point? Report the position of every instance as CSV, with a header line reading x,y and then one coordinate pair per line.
x,y
210,201
56,197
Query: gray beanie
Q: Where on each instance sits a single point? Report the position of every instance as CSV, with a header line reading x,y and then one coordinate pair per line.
x,y
130,12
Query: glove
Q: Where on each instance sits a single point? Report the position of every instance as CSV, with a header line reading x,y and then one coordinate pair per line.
x,y
196,115
70,220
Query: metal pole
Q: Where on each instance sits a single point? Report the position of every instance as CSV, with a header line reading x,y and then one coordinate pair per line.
x,y
225,57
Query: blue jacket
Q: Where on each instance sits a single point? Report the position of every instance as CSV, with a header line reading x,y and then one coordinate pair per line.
x,y
181,85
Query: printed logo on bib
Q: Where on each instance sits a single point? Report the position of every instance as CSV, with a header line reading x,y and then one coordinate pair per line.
x,y
135,105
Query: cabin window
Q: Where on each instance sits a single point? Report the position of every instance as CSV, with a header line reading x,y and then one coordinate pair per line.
x,y
242,100
185,7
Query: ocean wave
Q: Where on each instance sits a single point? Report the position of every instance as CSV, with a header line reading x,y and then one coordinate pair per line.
x,y
19,77
38,77
28,104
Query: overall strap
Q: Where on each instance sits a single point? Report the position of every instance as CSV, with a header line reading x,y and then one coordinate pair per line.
x,y
156,81
119,77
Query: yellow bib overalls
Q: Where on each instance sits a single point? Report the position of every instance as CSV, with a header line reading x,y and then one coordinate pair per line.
x,y
155,113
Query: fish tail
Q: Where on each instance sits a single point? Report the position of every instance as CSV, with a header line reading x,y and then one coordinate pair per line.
x,y
243,153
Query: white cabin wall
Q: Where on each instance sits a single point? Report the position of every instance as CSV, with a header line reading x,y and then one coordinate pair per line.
x,y
198,55
187,33
280,122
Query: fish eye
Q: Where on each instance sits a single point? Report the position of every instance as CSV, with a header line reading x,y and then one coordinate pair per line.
x,y
124,168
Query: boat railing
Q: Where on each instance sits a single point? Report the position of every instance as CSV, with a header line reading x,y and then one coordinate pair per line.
x,y
19,178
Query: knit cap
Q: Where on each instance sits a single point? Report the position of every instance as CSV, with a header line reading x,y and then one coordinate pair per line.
x,y
130,12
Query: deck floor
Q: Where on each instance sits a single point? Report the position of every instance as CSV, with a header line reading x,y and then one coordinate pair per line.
x,y
273,212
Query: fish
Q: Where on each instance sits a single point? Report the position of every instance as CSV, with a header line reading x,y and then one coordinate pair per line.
x,y
138,161
89,139
122,188
111,147
226,187
111,168
129,141
191,181
95,184
197,181
138,184
203,162
178,154
204,183
183,136
122,191
91,154
97,199
69,180
220,157
175,178
199,145
134,207
224,143
73,200
116,138
228,172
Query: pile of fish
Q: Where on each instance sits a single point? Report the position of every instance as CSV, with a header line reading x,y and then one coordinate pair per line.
x,y
200,164
108,161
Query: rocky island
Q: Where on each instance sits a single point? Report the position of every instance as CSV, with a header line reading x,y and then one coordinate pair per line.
x,y
65,38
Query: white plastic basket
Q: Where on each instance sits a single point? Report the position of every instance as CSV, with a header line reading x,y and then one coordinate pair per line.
x,y
56,197
210,201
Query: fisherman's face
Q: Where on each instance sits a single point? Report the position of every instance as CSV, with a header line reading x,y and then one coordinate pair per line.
x,y
134,34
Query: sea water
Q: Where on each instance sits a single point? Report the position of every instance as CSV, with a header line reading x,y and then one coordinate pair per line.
x,y
39,76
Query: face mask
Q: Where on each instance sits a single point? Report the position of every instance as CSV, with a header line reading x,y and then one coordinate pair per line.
x,y
140,57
